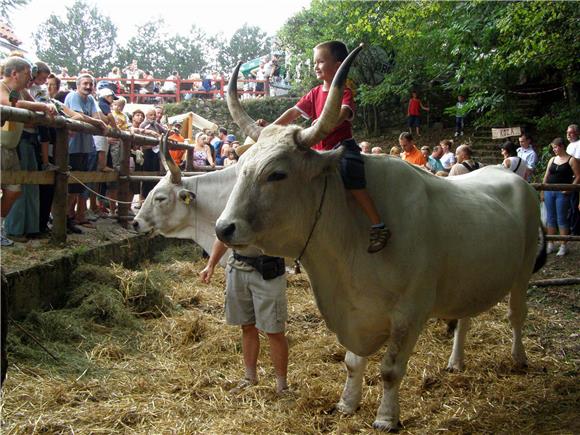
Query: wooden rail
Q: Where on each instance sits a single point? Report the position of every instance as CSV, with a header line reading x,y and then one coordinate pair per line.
x,y
63,177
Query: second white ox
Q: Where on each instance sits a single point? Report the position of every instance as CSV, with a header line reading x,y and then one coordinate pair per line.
x,y
458,246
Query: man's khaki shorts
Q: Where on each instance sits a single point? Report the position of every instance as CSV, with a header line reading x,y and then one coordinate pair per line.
x,y
250,299
10,162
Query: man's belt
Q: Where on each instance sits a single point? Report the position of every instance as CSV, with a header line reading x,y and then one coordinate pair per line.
x,y
268,267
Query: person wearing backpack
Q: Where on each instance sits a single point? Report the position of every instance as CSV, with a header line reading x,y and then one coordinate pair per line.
x,y
465,162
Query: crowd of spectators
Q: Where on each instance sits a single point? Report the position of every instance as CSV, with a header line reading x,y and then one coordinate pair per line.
x,y
561,209
26,209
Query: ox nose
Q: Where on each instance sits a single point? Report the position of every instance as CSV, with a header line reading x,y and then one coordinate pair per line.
x,y
136,225
224,231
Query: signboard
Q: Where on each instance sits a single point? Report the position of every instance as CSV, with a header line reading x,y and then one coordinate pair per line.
x,y
502,133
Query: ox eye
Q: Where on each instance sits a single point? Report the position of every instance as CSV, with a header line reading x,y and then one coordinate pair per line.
x,y
276,176
160,198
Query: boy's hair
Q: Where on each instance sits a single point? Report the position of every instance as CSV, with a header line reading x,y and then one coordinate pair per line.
x,y
337,49
528,136
222,131
42,67
14,64
407,136
138,111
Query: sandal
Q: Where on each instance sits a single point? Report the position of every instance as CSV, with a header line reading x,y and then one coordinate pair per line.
x,y
87,224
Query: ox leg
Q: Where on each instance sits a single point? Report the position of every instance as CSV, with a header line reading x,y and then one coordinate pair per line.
x,y
517,313
352,393
393,368
457,359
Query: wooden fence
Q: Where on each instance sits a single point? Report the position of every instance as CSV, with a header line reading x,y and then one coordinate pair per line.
x,y
62,177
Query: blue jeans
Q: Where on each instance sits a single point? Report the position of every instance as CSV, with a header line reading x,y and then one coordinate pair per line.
x,y
557,207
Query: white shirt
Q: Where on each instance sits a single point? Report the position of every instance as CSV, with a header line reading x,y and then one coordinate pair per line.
x,y
529,155
448,160
573,149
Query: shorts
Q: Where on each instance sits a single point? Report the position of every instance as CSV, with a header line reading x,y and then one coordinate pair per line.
x,y
78,162
250,299
352,166
414,121
115,153
9,161
101,143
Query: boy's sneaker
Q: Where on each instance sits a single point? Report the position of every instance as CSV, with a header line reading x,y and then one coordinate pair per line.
x,y
379,235
49,167
550,248
5,242
562,251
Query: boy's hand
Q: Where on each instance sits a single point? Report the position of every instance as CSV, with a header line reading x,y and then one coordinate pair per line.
x,y
261,122
206,274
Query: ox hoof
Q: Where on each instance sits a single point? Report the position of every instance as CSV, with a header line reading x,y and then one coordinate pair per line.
x,y
387,425
455,367
343,408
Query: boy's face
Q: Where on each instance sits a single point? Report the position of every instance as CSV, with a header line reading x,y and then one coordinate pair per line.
x,y
325,65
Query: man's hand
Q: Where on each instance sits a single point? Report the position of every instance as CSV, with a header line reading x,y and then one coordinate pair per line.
x,y
101,125
206,274
50,110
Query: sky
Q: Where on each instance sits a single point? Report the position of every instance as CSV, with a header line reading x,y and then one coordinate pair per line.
x,y
213,16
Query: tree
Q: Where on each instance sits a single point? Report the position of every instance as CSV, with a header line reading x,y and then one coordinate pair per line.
x,y
248,42
162,53
6,6
84,39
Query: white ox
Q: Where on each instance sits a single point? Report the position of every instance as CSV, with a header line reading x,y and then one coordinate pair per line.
x,y
457,248
185,208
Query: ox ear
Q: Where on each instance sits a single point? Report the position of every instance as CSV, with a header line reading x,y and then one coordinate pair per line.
x,y
325,163
186,196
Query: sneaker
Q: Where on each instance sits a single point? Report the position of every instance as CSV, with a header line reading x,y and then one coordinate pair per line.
x,y
550,248
562,251
49,167
91,215
19,239
456,134
5,242
379,235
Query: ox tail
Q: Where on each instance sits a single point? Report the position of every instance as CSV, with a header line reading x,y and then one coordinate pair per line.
x,y
542,254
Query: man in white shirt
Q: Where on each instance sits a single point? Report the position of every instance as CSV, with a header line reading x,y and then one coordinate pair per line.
x,y
573,149
527,153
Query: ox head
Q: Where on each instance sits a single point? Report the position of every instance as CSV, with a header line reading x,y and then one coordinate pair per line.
x,y
166,209
280,178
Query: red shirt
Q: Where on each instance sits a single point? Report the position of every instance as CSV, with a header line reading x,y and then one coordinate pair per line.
x,y
311,105
414,107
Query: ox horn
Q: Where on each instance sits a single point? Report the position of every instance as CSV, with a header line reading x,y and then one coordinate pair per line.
x,y
239,115
168,161
329,116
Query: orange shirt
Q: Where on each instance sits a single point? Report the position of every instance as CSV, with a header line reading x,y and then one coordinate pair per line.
x,y
177,154
414,156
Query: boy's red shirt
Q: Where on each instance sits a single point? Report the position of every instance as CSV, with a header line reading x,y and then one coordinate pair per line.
x,y
414,107
311,105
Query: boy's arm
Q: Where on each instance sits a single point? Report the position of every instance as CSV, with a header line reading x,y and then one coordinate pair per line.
x,y
288,116
217,252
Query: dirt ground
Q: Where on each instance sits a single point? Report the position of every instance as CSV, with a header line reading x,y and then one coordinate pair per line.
x,y
173,372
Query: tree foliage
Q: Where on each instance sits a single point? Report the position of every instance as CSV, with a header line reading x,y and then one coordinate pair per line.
x,y
84,39
7,6
248,42
485,50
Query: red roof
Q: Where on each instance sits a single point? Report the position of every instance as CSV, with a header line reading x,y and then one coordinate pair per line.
x,y
7,33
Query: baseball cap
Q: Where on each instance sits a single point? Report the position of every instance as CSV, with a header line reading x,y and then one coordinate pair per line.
x,y
230,138
105,92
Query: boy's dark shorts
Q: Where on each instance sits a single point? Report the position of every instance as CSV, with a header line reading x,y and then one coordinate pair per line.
x,y
414,121
352,166
78,162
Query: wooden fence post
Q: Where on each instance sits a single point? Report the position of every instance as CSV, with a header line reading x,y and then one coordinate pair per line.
x,y
124,192
60,201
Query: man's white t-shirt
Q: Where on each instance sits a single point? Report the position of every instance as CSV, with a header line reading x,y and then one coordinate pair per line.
x,y
573,149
